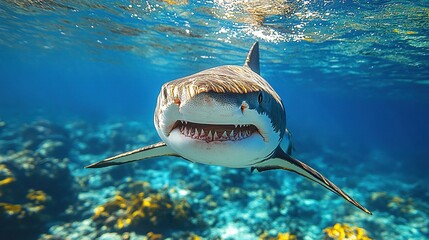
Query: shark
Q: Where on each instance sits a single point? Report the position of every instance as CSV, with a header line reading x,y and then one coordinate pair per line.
x,y
226,116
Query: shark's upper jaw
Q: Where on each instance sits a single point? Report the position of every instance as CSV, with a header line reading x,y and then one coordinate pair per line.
x,y
215,132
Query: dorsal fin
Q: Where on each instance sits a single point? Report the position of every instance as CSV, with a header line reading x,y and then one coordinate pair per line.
x,y
252,60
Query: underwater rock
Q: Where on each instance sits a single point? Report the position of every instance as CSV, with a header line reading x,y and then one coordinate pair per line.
x,y
33,191
34,134
233,177
53,148
94,144
235,194
396,205
9,139
421,191
112,138
7,146
110,236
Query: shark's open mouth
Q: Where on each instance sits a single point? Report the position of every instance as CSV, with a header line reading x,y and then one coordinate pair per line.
x,y
214,132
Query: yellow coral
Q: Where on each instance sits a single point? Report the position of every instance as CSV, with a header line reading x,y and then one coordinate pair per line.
x,y
377,195
280,236
6,181
120,201
286,236
11,209
194,237
7,174
98,211
345,232
153,236
35,208
386,202
37,196
146,202
181,209
121,223
149,208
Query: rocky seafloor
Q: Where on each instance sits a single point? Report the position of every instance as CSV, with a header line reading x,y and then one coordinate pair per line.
x,y
45,192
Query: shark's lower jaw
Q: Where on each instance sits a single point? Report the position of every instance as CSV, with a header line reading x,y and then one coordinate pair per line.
x,y
214,132
219,144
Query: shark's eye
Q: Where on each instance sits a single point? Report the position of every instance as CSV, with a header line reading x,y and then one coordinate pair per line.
x,y
260,98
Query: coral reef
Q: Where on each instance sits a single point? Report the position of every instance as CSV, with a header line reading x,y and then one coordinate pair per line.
x,y
41,162
46,139
280,236
345,232
144,210
36,185
385,202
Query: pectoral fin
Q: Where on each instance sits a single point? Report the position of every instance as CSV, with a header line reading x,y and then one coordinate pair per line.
x,y
281,160
155,150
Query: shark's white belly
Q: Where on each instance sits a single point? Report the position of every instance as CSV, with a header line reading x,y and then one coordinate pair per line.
x,y
235,154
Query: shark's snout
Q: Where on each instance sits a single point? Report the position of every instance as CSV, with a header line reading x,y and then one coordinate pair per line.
x,y
212,108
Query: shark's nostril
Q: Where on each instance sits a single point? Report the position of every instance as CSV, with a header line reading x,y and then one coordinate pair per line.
x,y
244,106
177,101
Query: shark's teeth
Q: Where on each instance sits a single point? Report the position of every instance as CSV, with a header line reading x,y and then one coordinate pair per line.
x,y
209,133
210,136
224,135
245,133
215,136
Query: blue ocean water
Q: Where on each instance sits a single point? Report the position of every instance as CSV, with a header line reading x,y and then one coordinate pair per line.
x,y
353,75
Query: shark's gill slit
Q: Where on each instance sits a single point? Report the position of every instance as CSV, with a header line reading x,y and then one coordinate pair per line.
x,y
215,132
